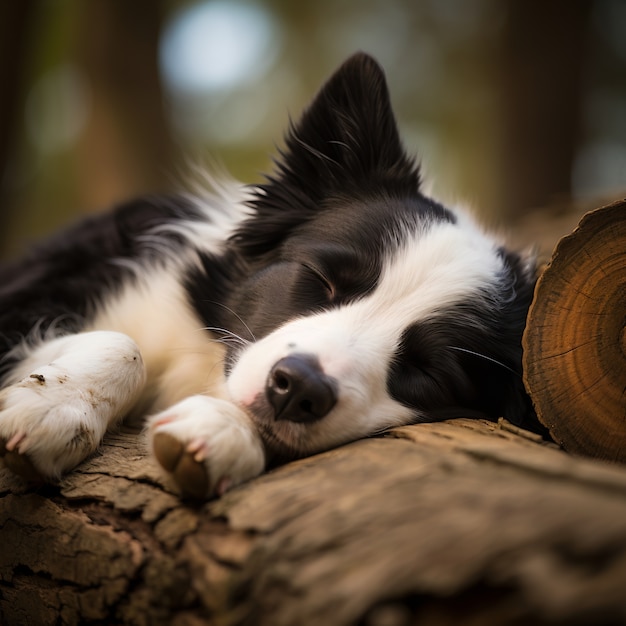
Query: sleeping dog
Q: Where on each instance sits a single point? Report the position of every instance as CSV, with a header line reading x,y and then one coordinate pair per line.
x,y
256,324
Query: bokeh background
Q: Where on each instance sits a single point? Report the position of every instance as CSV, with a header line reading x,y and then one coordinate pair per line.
x,y
517,107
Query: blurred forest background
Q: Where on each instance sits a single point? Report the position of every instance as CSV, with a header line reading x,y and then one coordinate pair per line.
x,y
512,105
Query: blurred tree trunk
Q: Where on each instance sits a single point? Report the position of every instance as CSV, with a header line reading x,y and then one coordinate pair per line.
x,y
127,147
541,71
15,21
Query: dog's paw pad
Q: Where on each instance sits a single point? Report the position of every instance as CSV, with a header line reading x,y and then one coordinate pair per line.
x,y
18,463
190,475
167,450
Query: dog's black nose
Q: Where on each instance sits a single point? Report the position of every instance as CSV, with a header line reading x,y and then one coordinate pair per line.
x,y
299,391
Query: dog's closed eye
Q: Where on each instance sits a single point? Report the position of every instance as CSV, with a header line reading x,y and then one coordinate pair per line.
x,y
322,279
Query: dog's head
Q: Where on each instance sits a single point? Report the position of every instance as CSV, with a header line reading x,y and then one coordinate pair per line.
x,y
368,304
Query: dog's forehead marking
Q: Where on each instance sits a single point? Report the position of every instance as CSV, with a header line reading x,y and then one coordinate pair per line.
x,y
431,271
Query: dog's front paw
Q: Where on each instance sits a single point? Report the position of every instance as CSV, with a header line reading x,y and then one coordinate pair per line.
x,y
207,445
46,425
52,417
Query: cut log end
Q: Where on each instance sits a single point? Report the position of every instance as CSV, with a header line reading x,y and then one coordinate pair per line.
x,y
575,338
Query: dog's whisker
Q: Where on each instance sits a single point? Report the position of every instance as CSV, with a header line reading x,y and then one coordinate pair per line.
x,y
228,335
235,341
236,315
484,356
227,342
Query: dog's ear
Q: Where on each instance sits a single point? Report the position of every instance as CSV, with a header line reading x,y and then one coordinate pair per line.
x,y
346,143
348,138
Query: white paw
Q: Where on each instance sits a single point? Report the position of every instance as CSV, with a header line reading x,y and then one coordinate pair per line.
x,y
46,425
207,445
54,417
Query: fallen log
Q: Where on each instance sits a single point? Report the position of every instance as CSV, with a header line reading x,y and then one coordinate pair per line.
x,y
575,338
458,522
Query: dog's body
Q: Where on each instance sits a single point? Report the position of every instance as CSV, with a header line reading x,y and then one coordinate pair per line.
x,y
327,304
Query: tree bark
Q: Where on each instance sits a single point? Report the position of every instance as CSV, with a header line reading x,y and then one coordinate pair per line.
x,y
458,522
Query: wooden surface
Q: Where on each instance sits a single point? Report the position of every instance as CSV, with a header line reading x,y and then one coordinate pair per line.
x,y
462,522
575,338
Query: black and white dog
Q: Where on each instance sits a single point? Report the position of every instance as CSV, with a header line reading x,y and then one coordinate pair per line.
x,y
329,303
